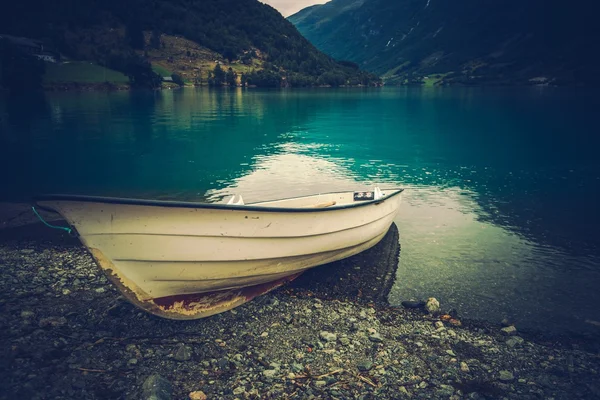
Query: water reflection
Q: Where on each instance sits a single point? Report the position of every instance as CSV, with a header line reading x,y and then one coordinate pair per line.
x,y
488,271
500,214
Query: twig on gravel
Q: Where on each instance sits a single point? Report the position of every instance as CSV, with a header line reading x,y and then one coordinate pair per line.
x,y
92,370
366,380
337,371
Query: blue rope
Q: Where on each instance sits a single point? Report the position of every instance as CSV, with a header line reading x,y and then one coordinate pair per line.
x,y
68,230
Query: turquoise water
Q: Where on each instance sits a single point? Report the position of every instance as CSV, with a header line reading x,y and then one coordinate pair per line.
x,y
499,218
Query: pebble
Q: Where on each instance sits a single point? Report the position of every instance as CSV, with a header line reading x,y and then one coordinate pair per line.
x,y
514,341
320,383
413,304
239,390
52,321
100,290
155,387
509,330
506,376
328,336
197,395
183,353
376,337
297,367
364,366
432,305
464,367
269,373
27,314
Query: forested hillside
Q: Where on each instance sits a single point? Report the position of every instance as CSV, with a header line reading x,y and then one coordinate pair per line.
x,y
466,42
111,33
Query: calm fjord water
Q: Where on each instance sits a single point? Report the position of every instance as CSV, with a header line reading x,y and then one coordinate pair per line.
x,y
499,218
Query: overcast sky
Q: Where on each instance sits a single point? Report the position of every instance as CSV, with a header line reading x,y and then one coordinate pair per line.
x,y
289,7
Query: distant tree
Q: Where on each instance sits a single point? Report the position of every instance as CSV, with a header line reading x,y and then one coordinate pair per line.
x,y
218,76
264,78
178,79
231,77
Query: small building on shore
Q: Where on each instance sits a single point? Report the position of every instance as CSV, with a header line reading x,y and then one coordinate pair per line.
x,y
33,47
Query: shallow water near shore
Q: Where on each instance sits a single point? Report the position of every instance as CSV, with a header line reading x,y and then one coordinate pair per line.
x,y
499,215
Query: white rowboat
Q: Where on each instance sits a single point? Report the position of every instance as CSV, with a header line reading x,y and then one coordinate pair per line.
x,y
184,260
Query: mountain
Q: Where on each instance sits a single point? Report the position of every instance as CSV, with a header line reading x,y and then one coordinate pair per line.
x,y
120,34
466,41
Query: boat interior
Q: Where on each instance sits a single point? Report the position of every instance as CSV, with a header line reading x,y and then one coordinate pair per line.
x,y
319,200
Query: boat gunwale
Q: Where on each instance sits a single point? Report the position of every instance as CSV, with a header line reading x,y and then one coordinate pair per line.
x,y
213,206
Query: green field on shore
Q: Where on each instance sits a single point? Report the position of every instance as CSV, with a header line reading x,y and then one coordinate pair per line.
x,y
82,72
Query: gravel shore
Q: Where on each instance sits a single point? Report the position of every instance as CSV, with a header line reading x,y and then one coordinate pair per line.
x,y
66,333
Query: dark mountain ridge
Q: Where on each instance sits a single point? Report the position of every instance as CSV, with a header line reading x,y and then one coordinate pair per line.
x,y
110,31
468,42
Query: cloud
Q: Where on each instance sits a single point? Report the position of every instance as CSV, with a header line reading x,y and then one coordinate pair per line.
x,y
289,7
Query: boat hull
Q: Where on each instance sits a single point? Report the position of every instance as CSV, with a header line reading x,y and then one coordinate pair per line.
x,y
163,258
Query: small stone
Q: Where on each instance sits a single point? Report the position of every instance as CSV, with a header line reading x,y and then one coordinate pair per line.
x,y
404,392
27,314
328,336
223,364
432,305
464,367
514,341
291,375
451,353
423,385
320,383
509,330
364,366
52,321
439,324
239,390
344,341
198,395
100,290
376,338
506,376
183,353
297,367
413,304
318,305
269,373
264,334
454,322
155,387
132,362
362,315
66,292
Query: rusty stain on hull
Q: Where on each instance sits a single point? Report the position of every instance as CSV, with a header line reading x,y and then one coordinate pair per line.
x,y
186,306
